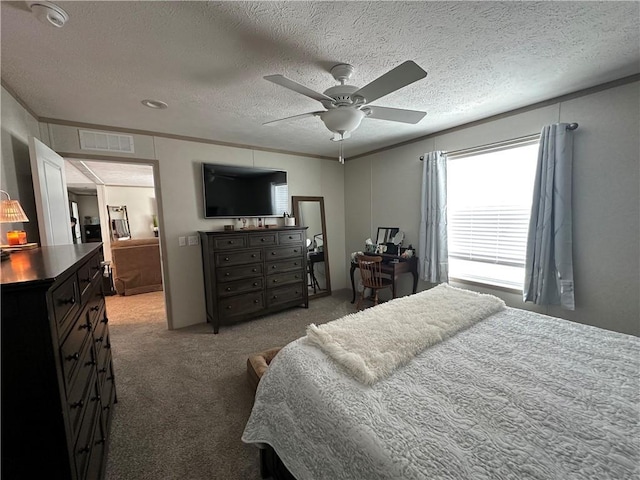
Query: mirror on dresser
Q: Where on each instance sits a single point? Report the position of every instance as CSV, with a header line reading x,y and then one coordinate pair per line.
x,y
309,212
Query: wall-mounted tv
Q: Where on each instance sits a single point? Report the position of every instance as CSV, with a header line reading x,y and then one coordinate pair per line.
x,y
235,192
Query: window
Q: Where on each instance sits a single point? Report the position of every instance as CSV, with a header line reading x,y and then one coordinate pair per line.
x,y
280,198
489,194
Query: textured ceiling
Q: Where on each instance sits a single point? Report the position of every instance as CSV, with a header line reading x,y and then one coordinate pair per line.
x,y
82,176
207,60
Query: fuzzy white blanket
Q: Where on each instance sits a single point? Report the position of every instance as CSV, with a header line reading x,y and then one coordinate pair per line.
x,y
374,342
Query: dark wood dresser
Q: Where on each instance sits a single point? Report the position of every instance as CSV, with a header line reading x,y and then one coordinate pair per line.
x,y
58,385
248,273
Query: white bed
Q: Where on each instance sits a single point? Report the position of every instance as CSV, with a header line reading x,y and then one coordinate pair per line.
x,y
517,395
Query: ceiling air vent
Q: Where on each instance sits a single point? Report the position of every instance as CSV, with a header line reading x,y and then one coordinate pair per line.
x,y
106,142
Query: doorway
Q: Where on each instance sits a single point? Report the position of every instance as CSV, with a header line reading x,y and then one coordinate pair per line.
x,y
104,189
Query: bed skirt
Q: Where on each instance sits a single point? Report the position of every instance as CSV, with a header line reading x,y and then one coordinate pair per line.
x,y
271,467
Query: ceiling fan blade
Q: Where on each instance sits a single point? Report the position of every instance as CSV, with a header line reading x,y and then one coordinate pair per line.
x,y
404,74
286,119
296,87
395,114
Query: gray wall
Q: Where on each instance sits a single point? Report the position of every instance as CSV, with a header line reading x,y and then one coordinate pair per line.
x,y
383,189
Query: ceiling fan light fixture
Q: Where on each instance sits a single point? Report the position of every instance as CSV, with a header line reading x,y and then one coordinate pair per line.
x,y
342,120
49,13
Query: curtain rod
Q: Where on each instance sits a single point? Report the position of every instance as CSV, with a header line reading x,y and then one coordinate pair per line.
x,y
571,126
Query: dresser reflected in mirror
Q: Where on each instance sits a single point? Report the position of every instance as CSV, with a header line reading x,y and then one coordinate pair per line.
x,y
309,212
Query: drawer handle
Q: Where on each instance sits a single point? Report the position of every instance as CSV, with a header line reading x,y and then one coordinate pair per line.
x,y
274,266
290,237
89,363
255,284
84,450
104,320
295,250
274,253
254,270
107,345
262,240
95,309
65,301
275,297
295,264
230,242
75,356
228,307
228,289
253,255
97,398
77,404
100,339
297,276
226,259
275,280
103,370
87,280
111,378
100,442
227,274
106,408
256,301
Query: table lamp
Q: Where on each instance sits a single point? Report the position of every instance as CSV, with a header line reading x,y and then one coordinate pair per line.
x,y
11,212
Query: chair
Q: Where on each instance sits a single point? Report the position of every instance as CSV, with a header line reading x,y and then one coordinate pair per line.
x,y
371,277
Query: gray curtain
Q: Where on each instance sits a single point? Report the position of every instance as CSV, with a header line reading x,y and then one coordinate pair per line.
x,y
432,249
549,262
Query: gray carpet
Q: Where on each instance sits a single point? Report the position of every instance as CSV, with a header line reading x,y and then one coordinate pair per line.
x,y
183,397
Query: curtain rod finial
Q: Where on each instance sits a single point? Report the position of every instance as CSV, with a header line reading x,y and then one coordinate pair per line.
x,y
572,126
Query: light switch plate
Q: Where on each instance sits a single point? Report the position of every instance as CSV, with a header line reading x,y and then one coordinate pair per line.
x,y
182,241
193,240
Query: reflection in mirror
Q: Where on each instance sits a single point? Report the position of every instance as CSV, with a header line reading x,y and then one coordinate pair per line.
x,y
309,212
386,234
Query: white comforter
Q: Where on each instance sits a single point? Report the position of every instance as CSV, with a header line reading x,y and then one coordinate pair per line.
x,y
517,396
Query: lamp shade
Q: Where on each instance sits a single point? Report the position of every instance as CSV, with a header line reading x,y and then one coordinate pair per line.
x,y
11,211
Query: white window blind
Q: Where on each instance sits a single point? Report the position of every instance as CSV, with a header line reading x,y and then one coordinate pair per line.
x,y
489,195
280,196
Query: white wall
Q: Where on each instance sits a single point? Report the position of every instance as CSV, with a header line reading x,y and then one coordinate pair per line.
x,y
606,184
141,206
15,172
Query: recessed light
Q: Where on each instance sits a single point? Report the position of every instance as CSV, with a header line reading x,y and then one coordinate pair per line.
x,y
154,104
49,13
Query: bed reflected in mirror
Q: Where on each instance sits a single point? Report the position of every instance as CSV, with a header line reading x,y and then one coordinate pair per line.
x,y
309,212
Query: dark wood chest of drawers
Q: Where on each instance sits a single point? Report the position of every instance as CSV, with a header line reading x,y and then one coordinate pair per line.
x,y
58,387
252,273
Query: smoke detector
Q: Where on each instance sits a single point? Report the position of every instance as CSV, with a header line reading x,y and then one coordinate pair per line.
x,y
49,13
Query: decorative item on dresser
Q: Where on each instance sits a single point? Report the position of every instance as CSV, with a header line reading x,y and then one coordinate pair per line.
x,y
248,274
58,385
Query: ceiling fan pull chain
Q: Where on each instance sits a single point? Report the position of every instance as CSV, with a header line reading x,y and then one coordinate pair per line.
x,y
341,157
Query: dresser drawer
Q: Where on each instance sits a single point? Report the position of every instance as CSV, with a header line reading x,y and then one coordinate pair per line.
x,y
284,278
85,281
263,239
280,266
78,394
290,237
106,384
241,304
231,288
283,252
95,306
66,302
277,296
229,242
237,258
237,273
72,349
84,444
97,454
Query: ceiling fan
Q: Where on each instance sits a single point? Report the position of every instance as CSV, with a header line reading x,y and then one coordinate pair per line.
x,y
346,105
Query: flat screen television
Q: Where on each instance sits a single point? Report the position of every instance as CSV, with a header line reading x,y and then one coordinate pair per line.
x,y
235,192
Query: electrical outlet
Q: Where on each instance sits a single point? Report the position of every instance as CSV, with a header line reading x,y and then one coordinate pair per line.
x,y
182,241
193,240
